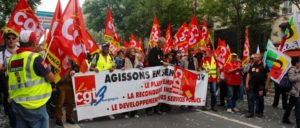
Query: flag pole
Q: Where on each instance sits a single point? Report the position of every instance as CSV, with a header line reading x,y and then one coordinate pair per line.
x,y
48,48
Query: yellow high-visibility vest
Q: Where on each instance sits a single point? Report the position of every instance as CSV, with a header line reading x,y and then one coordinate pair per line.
x,y
25,86
103,64
211,66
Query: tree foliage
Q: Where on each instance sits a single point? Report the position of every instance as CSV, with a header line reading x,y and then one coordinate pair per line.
x,y
7,6
136,16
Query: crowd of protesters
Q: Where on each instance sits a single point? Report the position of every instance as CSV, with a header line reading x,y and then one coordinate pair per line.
x,y
231,83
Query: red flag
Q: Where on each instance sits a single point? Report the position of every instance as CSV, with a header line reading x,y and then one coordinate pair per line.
x,y
140,46
54,22
246,52
23,18
89,42
169,41
155,33
134,43
70,33
222,54
1,37
126,44
205,35
110,34
195,32
184,82
182,38
56,57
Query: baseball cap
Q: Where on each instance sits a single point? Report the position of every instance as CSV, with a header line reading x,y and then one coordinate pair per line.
x,y
105,44
233,54
27,36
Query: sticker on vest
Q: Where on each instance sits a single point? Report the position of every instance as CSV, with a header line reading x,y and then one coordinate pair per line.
x,y
16,65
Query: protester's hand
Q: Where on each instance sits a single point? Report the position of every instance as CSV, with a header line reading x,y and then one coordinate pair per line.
x,y
247,87
72,73
267,89
123,68
96,70
111,69
261,93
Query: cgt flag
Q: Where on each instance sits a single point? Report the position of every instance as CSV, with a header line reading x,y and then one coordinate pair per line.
x,y
184,82
195,32
222,54
182,38
246,52
155,33
23,18
168,46
70,34
110,34
277,62
56,57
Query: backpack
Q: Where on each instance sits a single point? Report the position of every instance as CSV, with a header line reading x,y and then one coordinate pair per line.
x,y
285,84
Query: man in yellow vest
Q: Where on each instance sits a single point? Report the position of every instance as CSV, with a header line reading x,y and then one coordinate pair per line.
x,y
208,64
103,61
29,87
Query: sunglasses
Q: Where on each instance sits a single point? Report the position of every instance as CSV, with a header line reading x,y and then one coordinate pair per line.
x,y
11,38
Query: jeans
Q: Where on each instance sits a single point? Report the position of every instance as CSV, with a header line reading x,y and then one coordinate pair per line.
x,y
66,94
232,95
297,111
223,92
255,100
213,93
30,118
289,108
283,93
242,90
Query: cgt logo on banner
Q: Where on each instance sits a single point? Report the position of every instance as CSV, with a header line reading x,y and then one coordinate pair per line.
x,y
184,82
85,90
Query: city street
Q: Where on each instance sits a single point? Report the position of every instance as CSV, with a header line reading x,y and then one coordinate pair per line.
x,y
185,119
193,119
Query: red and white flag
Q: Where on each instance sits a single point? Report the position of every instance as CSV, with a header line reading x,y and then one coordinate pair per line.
x,y
182,38
205,35
168,46
195,32
23,18
70,33
110,34
184,82
222,54
246,52
155,33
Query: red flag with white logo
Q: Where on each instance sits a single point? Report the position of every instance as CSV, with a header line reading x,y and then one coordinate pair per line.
x,y
205,35
184,82
182,38
195,32
169,40
246,52
155,33
23,18
70,34
222,54
110,34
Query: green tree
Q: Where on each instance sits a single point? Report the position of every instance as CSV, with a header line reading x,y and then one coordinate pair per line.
x,y
237,14
136,16
7,6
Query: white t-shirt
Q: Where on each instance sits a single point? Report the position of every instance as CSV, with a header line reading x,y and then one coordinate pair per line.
x,y
7,55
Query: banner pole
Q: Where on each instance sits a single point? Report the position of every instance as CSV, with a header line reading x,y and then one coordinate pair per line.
x,y
48,48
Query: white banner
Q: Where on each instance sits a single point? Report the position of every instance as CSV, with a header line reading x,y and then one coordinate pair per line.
x,y
105,93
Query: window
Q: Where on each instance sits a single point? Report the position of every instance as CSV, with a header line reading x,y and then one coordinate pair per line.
x,y
287,7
